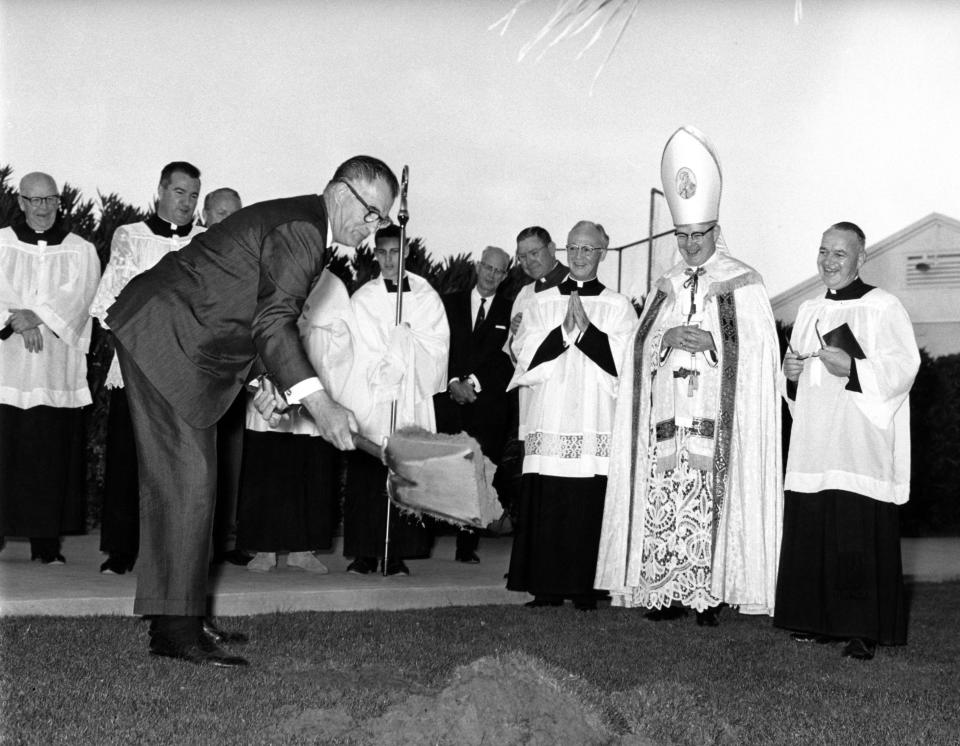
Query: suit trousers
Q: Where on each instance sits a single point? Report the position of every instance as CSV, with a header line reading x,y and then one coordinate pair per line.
x,y
178,487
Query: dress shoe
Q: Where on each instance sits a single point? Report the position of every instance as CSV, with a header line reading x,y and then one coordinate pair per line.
x,y
397,567
585,605
804,637
116,564
362,566
203,652
469,558
306,561
262,562
218,636
665,614
539,601
709,617
859,649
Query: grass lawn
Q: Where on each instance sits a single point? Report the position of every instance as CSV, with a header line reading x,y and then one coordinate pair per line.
x,y
90,680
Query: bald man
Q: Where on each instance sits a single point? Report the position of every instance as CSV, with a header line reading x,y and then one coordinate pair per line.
x,y
476,400
47,279
220,203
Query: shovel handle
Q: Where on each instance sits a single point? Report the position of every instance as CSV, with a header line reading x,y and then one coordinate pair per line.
x,y
368,446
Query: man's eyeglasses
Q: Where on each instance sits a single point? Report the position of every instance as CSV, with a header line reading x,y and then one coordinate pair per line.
x,y
51,199
493,270
587,251
697,238
373,214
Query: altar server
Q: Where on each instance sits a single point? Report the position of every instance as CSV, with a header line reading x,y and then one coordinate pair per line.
x,y
47,279
406,363
847,379
570,342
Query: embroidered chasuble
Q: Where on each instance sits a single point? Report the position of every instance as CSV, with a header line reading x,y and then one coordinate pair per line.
x,y
694,500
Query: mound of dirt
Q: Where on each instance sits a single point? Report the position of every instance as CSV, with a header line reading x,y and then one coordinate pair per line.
x,y
506,700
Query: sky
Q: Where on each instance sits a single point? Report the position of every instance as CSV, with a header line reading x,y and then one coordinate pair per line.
x,y
850,114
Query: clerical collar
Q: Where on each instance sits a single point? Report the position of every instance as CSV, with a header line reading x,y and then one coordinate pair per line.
x,y
856,289
584,289
165,228
53,236
550,280
553,278
392,285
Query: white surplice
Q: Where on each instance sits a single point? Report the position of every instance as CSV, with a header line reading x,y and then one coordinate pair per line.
x,y
57,282
134,249
735,404
857,441
570,398
406,363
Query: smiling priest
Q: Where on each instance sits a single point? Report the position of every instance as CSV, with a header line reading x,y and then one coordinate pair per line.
x,y
847,381
570,344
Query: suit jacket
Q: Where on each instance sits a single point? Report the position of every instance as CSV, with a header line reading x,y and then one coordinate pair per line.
x,y
196,322
479,353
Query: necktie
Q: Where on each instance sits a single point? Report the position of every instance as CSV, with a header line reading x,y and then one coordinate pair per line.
x,y
481,315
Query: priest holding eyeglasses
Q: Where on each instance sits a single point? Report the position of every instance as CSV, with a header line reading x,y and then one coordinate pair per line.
x,y
694,504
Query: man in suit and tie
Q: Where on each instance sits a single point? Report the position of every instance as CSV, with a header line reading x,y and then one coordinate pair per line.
x,y
190,332
476,400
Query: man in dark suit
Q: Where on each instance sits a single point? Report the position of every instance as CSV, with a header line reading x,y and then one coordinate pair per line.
x,y
189,332
476,400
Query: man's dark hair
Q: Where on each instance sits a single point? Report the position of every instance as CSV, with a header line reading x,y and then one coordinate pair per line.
x,y
367,168
391,231
853,228
534,231
178,167
217,192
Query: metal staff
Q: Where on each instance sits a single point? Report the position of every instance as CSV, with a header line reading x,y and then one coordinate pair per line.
x,y
402,217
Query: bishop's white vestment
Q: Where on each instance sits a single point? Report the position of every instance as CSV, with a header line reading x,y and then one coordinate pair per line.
x,y
694,500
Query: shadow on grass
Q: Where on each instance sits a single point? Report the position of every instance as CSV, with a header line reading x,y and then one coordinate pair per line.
x,y
89,680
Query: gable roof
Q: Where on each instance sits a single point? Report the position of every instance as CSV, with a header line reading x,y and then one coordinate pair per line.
x,y
804,289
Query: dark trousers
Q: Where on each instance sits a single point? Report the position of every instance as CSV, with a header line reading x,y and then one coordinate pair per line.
x,y
229,458
120,512
178,487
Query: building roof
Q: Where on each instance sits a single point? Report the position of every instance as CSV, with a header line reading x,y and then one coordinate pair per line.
x,y
804,289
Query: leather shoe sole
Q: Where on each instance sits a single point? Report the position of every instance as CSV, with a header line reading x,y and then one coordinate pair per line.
x,y
201,653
